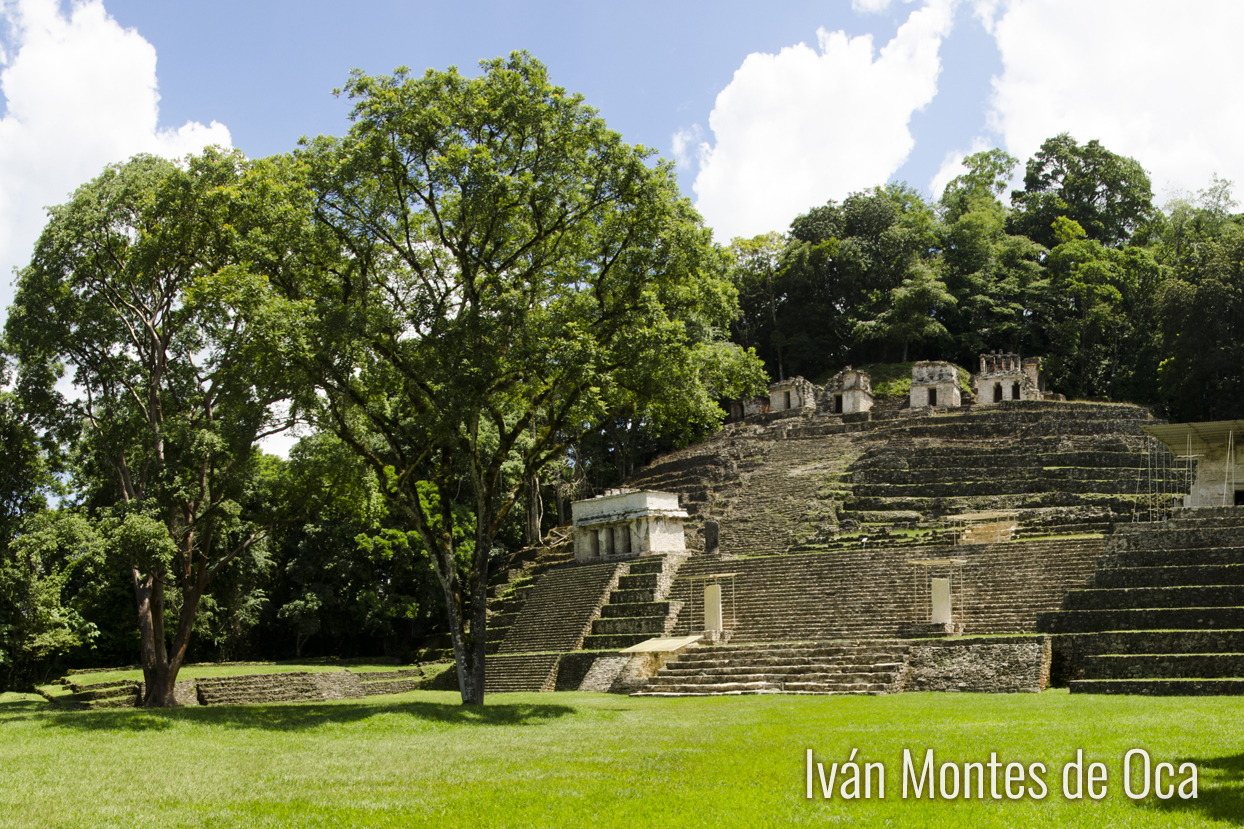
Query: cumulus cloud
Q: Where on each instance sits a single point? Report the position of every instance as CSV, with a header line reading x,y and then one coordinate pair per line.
x,y
80,93
869,6
1150,80
806,125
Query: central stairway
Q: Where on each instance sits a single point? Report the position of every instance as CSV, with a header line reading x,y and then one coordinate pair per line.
x,y
859,667
1164,612
560,609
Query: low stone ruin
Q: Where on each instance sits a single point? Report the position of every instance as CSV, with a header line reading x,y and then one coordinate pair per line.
x,y
847,392
792,393
934,383
1005,376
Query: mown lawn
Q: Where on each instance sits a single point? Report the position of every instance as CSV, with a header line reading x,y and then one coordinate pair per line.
x,y
555,760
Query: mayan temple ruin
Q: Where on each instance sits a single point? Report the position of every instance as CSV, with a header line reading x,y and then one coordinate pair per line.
x,y
978,533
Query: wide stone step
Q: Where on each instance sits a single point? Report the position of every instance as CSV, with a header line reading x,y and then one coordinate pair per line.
x,y
641,581
642,596
614,641
732,689
879,677
1177,556
648,564
613,610
1194,618
1164,665
1160,687
789,657
1169,576
651,625
1159,642
1155,597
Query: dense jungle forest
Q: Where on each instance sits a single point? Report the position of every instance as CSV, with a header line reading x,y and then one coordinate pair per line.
x,y
477,306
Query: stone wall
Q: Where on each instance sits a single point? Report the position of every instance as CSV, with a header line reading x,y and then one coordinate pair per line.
x,y
981,665
185,692
603,672
292,686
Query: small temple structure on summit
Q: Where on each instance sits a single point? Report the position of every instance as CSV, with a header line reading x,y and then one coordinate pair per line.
x,y
626,523
1211,449
934,383
1005,376
849,391
792,393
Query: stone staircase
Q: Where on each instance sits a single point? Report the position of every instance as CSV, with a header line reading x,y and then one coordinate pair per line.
x,y
510,588
376,683
560,609
119,693
638,608
289,686
873,593
1164,611
526,672
788,481
861,667
1067,467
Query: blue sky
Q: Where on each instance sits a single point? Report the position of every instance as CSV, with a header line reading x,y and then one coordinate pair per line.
x,y
768,111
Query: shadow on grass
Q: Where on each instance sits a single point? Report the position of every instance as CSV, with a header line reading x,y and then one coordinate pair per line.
x,y
1220,795
303,716
16,705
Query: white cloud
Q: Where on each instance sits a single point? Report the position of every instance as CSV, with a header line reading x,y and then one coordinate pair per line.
x,y
685,145
869,6
1152,80
80,93
795,129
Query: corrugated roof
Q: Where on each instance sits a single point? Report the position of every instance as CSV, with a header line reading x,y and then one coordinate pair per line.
x,y
1198,438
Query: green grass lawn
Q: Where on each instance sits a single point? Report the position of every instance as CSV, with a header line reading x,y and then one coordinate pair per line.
x,y
554,760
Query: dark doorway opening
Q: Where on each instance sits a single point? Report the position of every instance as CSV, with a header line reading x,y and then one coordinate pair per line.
x,y
1239,497
997,393
837,404
932,397
1015,391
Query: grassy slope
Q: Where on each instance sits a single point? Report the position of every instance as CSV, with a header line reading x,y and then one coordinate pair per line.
x,y
588,760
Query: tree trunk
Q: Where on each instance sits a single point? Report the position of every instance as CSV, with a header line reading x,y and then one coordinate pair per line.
x,y
535,511
160,667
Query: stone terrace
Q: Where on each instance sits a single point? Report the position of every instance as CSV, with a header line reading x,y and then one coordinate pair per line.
x,y
1163,613
871,667
850,594
795,480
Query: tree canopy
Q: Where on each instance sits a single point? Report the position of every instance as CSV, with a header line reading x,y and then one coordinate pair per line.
x,y
509,274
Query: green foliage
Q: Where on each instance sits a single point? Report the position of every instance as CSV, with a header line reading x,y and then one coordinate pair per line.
x,y
987,177
1202,370
142,284
39,621
1108,195
508,274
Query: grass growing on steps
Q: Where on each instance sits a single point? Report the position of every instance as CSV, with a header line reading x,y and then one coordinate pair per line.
x,y
420,759
207,670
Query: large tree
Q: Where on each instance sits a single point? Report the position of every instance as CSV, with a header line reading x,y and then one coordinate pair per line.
x,y
1108,195
513,275
141,288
